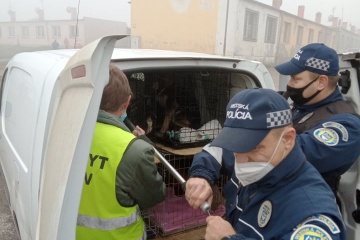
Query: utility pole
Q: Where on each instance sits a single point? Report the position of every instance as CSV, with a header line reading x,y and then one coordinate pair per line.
x,y
226,26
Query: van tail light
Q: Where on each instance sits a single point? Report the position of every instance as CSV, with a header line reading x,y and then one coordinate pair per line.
x,y
78,72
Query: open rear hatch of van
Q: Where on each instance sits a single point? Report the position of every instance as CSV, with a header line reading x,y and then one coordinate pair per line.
x,y
74,105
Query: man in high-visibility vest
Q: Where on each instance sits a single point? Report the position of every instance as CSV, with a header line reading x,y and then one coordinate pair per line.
x,y
121,176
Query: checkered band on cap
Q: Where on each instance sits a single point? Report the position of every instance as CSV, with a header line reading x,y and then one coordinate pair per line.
x,y
279,118
318,64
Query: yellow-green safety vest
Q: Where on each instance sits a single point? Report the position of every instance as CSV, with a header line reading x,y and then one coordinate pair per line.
x,y
101,217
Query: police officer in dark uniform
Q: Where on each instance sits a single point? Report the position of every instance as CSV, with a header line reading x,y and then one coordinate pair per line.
x,y
327,125
274,192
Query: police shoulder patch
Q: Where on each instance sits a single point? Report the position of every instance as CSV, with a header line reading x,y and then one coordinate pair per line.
x,y
327,136
340,127
310,231
333,227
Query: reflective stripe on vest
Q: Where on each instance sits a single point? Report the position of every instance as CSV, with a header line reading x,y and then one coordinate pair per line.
x,y
107,224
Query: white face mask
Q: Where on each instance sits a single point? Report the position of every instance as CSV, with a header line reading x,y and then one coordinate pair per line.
x,y
250,172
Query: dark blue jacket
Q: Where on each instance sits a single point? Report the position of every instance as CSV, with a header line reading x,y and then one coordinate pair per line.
x,y
328,157
292,197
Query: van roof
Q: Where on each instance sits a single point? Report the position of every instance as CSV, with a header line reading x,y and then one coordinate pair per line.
x,y
120,54
132,54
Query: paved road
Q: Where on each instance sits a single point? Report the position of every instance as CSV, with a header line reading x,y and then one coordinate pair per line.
x,y
7,226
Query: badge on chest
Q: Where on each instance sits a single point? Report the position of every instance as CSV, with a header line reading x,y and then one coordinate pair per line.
x,y
264,214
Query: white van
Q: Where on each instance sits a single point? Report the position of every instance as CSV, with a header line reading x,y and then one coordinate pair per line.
x,y
49,106
349,188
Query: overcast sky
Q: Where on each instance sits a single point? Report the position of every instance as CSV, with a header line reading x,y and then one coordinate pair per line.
x,y
119,10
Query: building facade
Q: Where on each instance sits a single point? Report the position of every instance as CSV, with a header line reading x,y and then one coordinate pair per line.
x,y
67,33
240,28
176,25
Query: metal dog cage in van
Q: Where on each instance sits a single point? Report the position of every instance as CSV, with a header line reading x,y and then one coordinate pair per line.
x,y
182,109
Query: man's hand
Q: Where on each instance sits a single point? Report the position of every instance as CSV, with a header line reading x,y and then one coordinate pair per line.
x,y
138,131
217,228
198,190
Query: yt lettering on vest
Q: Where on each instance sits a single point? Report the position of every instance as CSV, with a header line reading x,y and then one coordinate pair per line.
x,y
99,162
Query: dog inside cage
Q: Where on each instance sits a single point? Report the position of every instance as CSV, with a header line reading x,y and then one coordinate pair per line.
x,y
180,108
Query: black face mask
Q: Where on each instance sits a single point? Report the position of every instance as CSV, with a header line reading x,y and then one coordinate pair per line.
x,y
296,94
